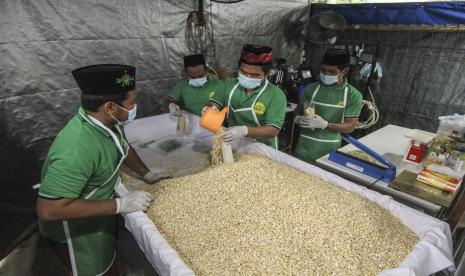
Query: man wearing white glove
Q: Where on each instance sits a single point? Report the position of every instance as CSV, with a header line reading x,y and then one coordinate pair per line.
x,y
132,202
336,103
76,203
194,92
256,107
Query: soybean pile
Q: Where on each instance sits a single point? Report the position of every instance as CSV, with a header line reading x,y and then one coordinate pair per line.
x,y
258,216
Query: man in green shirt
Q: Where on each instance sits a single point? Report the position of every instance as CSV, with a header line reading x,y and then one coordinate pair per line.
x,y
256,107
76,204
193,93
337,106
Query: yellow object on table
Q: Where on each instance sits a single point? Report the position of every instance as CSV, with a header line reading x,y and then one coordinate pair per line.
x,y
438,180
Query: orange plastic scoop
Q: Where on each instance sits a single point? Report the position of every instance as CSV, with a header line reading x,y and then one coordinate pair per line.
x,y
212,119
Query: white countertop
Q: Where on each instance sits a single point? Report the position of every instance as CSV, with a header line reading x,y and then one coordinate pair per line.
x,y
391,143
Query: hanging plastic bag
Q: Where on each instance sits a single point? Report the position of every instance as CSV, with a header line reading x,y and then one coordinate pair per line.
x,y
181,126
453,125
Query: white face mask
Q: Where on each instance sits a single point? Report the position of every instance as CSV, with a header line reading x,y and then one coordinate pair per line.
x,y
198,82
249,83
131,114
328,79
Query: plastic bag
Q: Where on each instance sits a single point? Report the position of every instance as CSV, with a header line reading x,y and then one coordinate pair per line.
x,y
453,125
181,126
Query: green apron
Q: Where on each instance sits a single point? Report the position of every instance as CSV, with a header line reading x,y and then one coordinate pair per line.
x,y
313,144
91,242
247,116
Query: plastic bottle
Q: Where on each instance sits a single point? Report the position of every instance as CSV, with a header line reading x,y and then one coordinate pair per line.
x,y
226,153
310,110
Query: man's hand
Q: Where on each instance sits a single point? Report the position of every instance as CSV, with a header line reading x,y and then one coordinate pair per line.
x,y
307,122
174,109
132,202
235,133
205,108
318,122
151,177
302,121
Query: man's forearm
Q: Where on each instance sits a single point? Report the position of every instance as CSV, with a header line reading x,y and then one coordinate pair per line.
x,y
167,101
65,209
342,128
134,162
264,132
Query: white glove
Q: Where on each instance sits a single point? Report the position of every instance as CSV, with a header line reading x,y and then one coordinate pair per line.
x,y
174,109
134,201
302,121
307,122
235,133
151,177
205,108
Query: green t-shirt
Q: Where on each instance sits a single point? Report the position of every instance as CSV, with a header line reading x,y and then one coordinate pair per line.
x,y
193,99
270,107
329,104
335,96
81,163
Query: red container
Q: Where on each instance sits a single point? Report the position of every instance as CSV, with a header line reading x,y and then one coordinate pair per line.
x,y
416,153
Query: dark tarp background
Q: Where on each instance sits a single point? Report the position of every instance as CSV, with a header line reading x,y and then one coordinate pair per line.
x,y
42,41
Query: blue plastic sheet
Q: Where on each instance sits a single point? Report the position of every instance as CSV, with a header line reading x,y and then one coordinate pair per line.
x,y
429,13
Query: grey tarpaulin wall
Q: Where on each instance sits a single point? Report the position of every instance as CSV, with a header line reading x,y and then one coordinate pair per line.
x,y
423,66
42,41
423,75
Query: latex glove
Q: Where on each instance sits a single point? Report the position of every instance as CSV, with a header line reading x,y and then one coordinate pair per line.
x,y
151,177
205,108
307,122
318,122
174,109
235,133
302,121
132,202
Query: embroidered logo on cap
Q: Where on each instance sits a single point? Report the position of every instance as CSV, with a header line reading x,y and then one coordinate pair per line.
x,y
125,80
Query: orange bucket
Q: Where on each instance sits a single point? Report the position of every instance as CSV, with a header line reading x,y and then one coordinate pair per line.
x,y
212,119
